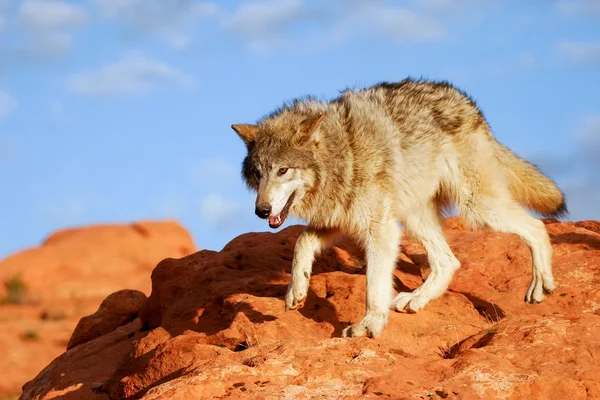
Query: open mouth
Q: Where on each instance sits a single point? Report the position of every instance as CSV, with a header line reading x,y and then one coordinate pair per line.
x,y
276,221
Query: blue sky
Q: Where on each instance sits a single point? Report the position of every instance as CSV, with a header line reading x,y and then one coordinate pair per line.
x,y
119,110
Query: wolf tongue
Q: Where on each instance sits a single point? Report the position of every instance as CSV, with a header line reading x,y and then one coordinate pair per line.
x,y
274,220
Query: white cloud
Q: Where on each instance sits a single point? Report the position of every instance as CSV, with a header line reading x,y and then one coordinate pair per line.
x,y
51,14
445,6
262,18
131,75
385,22
436,5
114,8
157,10
3,9
47,27
216,209
574,8
584,52
402,24
7,104
51,43
268,25
168,19
264,24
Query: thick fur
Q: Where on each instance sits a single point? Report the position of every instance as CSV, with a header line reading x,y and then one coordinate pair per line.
x,y
395,152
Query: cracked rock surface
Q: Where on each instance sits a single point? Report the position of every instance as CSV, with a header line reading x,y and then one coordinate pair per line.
x,y
215,326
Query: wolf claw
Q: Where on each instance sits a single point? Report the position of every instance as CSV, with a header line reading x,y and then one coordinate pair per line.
x,y
409,302
293,301
294,305
370,326
539,285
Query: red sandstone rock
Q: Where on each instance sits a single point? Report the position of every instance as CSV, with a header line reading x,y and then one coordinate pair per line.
x,y
66,278
214,326
118,309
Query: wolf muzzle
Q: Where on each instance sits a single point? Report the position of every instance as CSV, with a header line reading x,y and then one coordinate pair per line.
x,y
263,210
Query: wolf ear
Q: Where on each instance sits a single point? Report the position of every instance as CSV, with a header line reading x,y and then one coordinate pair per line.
x,y
246,132
309,126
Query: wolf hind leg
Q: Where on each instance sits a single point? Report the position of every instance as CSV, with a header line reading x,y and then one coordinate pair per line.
x,y
382,244
503,214
424,225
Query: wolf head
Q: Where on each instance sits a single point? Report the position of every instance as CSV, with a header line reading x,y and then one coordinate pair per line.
x,y
280,165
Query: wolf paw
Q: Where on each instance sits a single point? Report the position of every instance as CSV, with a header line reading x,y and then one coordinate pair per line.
x,y
370,326
538,286
409,302
295,296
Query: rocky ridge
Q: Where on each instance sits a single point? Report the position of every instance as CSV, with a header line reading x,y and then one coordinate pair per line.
x,y
214,326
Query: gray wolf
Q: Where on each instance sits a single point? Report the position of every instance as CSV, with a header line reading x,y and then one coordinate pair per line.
x,y
394,152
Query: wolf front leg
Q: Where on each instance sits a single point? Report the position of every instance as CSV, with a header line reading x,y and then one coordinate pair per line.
x,y
381,246
309,243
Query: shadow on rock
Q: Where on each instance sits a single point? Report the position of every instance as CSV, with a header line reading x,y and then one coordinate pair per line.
x,y
593,241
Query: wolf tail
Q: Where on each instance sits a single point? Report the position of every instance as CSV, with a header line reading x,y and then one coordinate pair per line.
x,y
530,187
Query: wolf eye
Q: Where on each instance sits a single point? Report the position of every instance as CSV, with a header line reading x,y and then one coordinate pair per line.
x,y
256,175
282,171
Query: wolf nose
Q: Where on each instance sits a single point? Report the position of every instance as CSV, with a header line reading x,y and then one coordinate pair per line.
x,y
263,210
